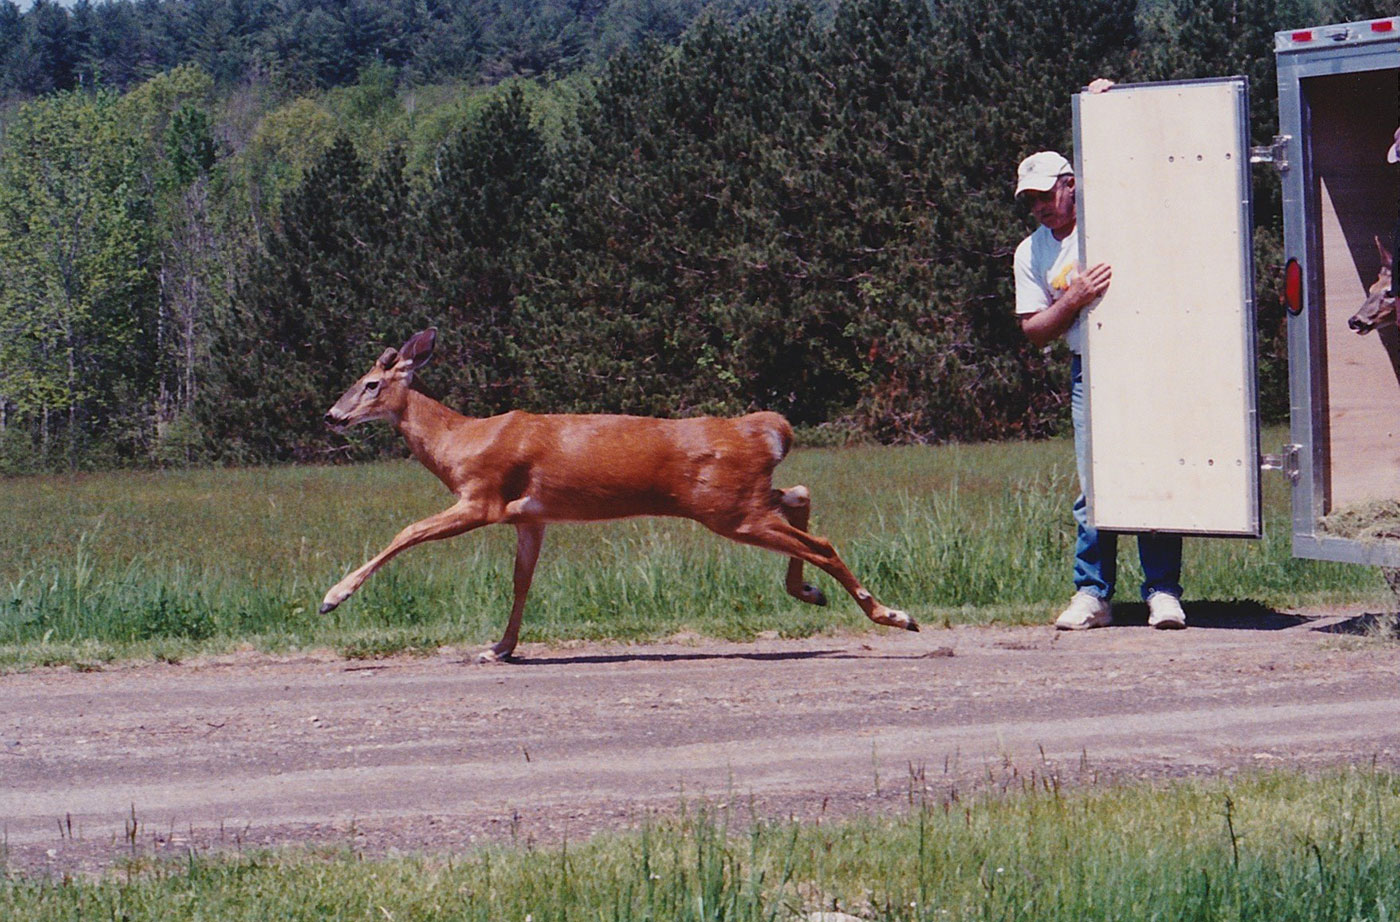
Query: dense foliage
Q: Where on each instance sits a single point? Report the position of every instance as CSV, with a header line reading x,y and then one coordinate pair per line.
x,y
802,209
325,43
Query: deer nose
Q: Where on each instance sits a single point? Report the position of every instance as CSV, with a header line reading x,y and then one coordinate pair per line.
x,y
331,419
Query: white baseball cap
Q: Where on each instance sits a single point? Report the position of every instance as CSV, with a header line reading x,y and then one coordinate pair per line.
x,y
1040,171
1393,155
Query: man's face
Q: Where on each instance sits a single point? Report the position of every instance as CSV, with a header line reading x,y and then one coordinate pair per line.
x,y
1053,208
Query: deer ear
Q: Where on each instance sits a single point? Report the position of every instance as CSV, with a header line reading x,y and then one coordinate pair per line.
x,y
419,348
1387,258
388,358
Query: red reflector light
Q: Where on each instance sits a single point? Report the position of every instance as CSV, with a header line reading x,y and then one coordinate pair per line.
x,y
1293,287
1303,36
1384,25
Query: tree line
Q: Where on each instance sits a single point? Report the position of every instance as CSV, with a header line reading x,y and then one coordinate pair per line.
x,y
325,43
800,209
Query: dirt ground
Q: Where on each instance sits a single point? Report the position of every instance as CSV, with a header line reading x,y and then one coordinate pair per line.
x,y
436,754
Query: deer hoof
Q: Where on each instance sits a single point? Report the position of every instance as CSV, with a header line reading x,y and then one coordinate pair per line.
x,y
809,594
893,618
337,594
492,655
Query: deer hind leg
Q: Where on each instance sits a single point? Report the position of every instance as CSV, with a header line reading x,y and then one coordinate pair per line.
x,y
795,503
529,536
770,529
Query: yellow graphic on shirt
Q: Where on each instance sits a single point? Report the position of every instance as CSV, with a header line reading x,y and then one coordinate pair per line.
x,y
1061,280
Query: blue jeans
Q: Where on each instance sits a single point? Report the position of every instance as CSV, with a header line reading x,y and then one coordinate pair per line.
x,y
1096,552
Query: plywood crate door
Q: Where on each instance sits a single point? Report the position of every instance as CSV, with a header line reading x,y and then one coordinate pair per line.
x,y
1169,357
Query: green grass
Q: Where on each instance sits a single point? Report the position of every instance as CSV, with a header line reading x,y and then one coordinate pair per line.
x,y
1273,848
167,565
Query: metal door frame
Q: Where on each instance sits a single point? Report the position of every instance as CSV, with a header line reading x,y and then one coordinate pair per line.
x,y
1325,56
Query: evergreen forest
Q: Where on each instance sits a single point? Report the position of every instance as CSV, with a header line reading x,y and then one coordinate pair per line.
x,y
214,214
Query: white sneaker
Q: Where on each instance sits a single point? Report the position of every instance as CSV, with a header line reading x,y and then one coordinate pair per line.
x,y
1085,610
1164,612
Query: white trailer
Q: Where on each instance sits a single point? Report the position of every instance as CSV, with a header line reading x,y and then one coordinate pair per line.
x,y
1170,362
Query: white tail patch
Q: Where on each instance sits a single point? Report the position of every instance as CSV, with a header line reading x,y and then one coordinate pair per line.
x,y
796,497
776,448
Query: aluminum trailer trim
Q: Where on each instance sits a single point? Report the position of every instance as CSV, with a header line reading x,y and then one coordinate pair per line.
x,y
1309,61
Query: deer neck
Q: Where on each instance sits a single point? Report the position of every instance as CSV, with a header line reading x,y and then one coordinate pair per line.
x,y
426,426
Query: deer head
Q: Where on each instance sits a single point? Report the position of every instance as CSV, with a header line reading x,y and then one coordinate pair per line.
x,y
1379,306
383,390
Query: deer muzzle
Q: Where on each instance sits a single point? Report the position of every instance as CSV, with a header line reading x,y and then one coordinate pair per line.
x,y
1378,309
1358,325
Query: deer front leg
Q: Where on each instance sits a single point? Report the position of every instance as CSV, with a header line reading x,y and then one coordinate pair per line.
x,y
462,517
528,538
795,503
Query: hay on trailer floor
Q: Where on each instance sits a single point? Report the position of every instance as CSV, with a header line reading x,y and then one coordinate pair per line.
x,y
1373,522
1378,520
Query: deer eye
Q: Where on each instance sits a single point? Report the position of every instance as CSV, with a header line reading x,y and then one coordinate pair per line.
x,y
371,385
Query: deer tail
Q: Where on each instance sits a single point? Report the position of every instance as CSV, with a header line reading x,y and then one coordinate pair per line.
x,y
774,430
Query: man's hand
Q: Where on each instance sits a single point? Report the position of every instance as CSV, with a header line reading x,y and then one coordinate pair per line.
x,y
1050,324
1087,286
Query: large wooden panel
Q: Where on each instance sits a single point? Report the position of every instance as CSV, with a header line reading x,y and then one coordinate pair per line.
x,y
1164,200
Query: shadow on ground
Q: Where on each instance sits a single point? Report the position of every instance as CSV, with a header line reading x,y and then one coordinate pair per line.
x,y
1232,615
1382,624
752,656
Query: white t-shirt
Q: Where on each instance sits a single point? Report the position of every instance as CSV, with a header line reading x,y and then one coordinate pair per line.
x,y
1044,267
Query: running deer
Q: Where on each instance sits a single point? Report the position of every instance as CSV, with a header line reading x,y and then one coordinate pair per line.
x,y
529,470
1379,306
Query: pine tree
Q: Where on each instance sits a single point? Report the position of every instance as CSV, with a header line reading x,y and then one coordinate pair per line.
x,y
471,225
325,291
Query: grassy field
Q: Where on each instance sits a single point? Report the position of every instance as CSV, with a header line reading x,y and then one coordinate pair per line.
x,y
169,564
1274,848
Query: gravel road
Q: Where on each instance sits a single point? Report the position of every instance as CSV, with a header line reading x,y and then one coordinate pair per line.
x,y
434,754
